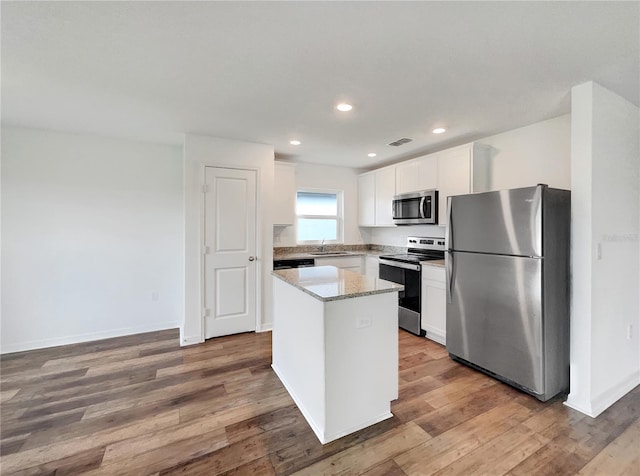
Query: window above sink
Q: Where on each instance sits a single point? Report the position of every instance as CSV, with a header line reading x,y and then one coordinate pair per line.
x,y
319,217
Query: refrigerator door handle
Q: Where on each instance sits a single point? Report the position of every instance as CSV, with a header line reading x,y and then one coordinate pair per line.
x,y
450,276
449,237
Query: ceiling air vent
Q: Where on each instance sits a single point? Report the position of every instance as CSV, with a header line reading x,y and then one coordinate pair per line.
x,y
399,142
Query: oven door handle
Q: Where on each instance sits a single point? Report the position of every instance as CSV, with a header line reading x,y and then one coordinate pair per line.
x,y
399,264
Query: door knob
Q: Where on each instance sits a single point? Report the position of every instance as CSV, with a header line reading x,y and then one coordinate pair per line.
x,y
251,258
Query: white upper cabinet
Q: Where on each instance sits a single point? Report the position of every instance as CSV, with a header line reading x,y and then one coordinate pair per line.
x,y
456,174
375,195
385,190
417,174
284,194
367,199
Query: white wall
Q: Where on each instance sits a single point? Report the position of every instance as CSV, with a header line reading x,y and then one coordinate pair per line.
x,y
327,177
605,360
538,153
92,238
200,151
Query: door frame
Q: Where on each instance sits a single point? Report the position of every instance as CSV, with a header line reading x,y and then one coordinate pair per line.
x,y
194,209
257,269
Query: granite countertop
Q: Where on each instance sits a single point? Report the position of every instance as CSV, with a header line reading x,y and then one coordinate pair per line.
x,y
328,254
328,283
439,263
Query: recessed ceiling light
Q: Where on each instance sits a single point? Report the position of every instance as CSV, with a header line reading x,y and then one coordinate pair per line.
x,y
344,107
295,142
439,130
371,154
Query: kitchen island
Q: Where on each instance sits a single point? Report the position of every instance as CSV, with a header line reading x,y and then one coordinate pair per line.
x,y
335,346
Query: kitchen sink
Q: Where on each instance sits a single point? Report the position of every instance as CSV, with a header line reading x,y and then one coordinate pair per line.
x,y
320,253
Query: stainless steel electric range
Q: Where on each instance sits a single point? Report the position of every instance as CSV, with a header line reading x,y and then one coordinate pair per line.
x,y
406,269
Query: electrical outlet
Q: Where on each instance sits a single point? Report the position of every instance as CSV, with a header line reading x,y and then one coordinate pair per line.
x,y
364,321
629,331
154,296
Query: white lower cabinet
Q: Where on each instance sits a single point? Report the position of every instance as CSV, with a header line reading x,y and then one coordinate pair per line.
x,y
352,263
434,303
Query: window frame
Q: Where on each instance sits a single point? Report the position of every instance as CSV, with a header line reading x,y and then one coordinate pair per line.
x,y
339,217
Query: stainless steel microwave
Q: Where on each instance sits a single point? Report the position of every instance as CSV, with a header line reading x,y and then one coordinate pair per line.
x,y
417,208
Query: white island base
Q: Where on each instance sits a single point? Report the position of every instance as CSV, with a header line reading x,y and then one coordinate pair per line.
x,y
337,356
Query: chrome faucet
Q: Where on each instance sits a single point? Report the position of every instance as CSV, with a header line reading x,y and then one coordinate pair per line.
x,y
322,246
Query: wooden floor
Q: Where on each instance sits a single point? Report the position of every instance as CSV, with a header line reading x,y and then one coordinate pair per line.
x,y
142,405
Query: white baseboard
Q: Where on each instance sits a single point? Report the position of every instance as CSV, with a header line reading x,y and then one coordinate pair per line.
x,y
78,338
266,327
607,398
190,340
436,337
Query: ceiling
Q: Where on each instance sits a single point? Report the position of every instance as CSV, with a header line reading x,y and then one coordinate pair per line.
x,y
270,72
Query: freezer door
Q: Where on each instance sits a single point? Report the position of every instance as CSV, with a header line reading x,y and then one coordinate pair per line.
x,y
507,222
494,315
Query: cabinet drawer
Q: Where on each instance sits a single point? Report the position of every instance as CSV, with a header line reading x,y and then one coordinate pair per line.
x,y
433,273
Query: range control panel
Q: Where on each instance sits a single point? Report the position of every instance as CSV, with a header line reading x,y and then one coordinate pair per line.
x,y
425,243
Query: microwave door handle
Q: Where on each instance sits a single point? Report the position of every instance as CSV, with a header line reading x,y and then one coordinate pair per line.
x,y
422,201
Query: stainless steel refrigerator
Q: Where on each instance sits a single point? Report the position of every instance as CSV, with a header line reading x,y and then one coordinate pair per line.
x,y
507,266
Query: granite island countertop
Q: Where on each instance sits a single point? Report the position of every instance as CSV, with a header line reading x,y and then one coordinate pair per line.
x,y
328,283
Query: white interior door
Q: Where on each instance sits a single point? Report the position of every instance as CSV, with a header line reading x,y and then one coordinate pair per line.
x,y
230,265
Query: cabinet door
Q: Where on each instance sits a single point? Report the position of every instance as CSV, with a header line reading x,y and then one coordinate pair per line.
x,y
434,303
284,194
454,177
417,175
385,190
367,200
408,177
428,173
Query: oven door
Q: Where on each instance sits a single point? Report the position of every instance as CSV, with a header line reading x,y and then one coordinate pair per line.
x,y
409,275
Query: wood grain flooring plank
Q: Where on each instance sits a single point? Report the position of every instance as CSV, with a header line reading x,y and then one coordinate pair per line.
x,y
360,458
243,451
22,426
442,450
457,390
6,395
79,463
388,468
259,467
175,453
12,444
118,420
176,394
514,446
63,448
239,408
621,456
289,415
308,450
463,409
